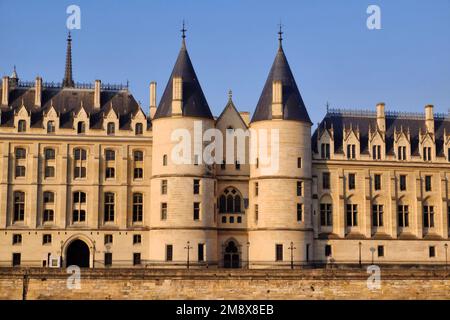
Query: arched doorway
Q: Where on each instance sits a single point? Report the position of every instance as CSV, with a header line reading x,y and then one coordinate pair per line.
x,y
78,254
231,256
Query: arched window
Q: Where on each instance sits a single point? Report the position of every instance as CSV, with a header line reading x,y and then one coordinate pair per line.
x,y
81,127
22,126
230,201
139,129
19,206
111,128
50,127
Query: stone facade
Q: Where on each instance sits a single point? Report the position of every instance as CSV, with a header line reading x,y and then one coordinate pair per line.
x,y
88,175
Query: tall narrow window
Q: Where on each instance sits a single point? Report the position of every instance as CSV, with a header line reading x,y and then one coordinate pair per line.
x,y
326,214
165,160
19,206
299,212
402,182
328,250
109,207
22,126
79,207
351,181
138,170
111,128
164,186
351,151
428,183
196,210
376,152
428,216
299,162
201,252
164,211
325,151
108,259
403,216
256,212
136,259
80,156
256,189
279,252
50,127
169,252
325,180
377,182
401,153
426,153
352,215
196,186
81,127
377,215
49,168
299,188
139,129
137,207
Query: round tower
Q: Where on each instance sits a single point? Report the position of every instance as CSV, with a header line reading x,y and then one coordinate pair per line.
x,y
280,223
182,209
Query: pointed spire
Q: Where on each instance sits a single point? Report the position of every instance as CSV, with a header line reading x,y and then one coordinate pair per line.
x,y
68,80
14,73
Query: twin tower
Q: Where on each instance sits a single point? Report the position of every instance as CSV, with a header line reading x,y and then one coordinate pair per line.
x,y
189,200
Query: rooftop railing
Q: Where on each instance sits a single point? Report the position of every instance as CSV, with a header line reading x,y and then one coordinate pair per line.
x,y
389,114
78,85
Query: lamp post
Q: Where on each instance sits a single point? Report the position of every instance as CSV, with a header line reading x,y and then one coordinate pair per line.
x,y
372,249
188,248
248,254
292,248
446,260
360,244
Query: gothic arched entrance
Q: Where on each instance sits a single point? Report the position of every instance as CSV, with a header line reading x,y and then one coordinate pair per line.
x,y
78,254
231,257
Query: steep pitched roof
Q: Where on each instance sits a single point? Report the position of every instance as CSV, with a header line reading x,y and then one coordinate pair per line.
x,y
194,101
293,106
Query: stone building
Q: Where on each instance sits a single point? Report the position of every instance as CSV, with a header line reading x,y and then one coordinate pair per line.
x,y
90,179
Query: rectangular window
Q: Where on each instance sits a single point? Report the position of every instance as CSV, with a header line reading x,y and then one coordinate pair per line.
x,y
108,238
352,215
169,252
163,186
136,259
201,252
432,251
47,239
165,160
426,153
403,216
238,165
299,188
376,152
108,259
326,180
196,210
48,215
380,251
19,206
401,153
351,151
109,207
17,239
110,173
196,186
326,214
137,239
377,215
351,181
20,171
299,163
256,212
138,173
16,259
428,216
49,172
402,182
328,250
428,183
377,182
278,252
138,207
299,212
164,211
256,188
325,151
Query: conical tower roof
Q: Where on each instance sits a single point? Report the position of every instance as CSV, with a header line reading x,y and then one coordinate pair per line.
x,y
293,106
194,101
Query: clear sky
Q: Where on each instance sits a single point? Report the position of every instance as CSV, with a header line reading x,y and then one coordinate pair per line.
x,y
232,44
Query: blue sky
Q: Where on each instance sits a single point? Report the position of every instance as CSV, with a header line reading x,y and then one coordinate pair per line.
x,y
232,44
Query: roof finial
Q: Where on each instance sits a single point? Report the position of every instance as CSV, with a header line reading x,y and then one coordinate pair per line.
x,y
68,80
230,95
183,35
280,34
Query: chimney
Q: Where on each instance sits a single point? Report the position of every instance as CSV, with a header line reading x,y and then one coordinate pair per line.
x,y
177,96
97,90
38,92
245,115
381,117
277,100
152,99
5,91
429,118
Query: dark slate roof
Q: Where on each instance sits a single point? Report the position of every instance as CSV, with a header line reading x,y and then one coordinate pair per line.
x,y
67,102
194,101
394,121
293,106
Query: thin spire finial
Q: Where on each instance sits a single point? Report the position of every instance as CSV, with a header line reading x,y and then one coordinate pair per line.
x,y
230,95
183,31
280,34
68,79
